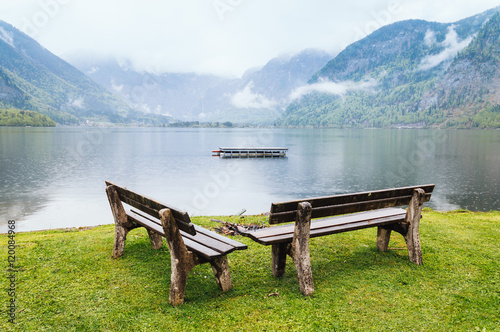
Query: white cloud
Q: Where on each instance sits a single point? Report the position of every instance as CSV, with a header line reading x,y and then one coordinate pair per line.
x,y
143,107
116,87
430,38
189,36
335,88
6,37
78,103
451,47
248,99
93,70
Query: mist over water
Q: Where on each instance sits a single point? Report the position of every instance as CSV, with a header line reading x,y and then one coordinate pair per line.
x,y
54,177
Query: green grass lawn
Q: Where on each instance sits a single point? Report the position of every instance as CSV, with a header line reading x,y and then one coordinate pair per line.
x,y
67,281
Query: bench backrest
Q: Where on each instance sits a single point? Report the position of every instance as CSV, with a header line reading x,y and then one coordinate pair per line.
x,y
152,207
348,203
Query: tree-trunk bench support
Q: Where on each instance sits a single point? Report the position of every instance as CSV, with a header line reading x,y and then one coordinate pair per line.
x,y
189,245
346,213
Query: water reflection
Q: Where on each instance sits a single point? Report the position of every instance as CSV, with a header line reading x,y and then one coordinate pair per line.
x,y
54,177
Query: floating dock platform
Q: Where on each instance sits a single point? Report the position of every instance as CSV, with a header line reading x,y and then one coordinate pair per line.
x,y
250,152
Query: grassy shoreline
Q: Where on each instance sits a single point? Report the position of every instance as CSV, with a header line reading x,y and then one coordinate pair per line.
x,y
66,281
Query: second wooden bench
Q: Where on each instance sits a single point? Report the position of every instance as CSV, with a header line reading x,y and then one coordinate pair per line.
x,y
375,209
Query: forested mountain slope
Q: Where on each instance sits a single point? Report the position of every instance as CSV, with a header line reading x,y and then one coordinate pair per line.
x,y
32,78
410,73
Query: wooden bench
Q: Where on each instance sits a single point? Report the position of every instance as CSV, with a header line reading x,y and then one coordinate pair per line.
x,y
189,245
357,211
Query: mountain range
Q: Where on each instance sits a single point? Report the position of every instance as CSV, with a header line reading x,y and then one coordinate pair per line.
x,y
410,73
258,97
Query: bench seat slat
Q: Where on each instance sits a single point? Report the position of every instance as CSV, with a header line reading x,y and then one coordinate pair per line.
x,y
141,220
237,245
286,238
187,227
325,211
201,249
328,222
189,240
280,234
204,236
209,242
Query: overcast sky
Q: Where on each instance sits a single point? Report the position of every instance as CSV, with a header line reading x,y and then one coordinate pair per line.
x,y
224,37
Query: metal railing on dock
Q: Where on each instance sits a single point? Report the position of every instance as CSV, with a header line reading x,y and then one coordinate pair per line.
x,y
250,152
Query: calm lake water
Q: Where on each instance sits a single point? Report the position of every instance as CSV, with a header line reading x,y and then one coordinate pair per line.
x,y
54,177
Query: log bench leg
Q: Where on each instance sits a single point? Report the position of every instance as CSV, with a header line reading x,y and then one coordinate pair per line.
x,y
120,237
383,237
220,267
122,224
182,261
409,228
155,239
278,253
299,249
413,215
178,279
